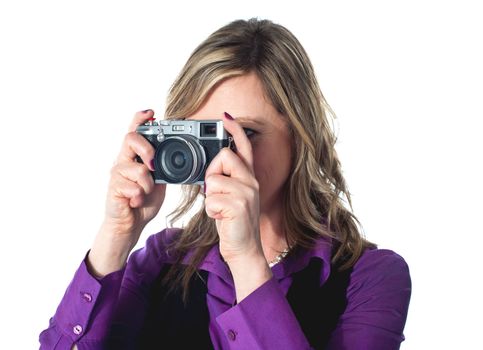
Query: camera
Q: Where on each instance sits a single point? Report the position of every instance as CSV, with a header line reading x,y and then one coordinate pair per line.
x,y
184,148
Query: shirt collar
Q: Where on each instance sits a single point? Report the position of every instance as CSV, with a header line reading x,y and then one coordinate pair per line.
x,y
295,261
213,262
300,257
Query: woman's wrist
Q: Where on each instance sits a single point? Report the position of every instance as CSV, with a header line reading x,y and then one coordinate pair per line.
x,y
109,252
249,273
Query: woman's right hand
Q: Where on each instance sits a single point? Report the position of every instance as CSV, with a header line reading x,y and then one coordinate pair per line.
x,y
132,201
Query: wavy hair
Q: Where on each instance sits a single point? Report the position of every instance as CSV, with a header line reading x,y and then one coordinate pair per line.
x,y
315,191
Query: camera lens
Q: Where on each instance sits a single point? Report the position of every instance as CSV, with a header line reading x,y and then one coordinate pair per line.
x,y
180,159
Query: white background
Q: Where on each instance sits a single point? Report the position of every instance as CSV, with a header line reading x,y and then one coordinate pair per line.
x,y
404,78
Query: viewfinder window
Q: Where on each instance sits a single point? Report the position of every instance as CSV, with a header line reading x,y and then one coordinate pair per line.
x,y
208,130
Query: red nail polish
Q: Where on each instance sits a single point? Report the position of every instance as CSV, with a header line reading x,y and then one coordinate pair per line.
x,y
151,164
228,116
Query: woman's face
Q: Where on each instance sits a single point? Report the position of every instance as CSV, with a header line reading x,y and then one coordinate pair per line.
x,y
244,99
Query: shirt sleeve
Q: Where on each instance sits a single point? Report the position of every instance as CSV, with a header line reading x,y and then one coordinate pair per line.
x,y
377,304
84,312
277,329
95,313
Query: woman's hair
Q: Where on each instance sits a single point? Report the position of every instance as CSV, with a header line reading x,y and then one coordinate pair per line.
x,y
315,190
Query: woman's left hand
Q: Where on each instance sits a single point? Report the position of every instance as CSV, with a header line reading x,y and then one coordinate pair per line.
x,y
232,197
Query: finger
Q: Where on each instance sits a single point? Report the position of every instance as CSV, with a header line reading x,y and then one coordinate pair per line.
x,y
156,196
223,184
136,145
220,206
243,144
140,118
132,192
227,185
136,172
226,162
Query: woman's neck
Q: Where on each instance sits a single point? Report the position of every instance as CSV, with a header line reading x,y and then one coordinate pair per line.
x,y
272,234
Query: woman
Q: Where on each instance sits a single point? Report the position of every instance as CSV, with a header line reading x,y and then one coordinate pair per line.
x,y
273,260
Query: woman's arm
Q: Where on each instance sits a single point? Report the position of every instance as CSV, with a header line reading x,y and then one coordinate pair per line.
x,y
91,306
84,312
132,201
377,304
262,318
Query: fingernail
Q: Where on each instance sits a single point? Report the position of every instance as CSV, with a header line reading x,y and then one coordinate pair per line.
x,y
228,116
146,110
151,164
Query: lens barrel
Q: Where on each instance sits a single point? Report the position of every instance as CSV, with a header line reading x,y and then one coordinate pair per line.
x,y
180,159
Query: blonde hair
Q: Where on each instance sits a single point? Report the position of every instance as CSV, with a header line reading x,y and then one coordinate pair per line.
x,y
315,191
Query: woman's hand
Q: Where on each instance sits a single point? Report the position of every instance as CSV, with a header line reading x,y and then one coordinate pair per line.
x,y
232,199
132,198
132,201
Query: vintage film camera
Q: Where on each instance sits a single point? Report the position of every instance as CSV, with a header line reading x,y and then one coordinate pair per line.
x,y
184,148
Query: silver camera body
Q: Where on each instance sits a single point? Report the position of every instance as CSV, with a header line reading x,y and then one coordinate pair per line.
x,y
184,148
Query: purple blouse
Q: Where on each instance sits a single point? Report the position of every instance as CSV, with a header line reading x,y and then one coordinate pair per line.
x,y
377,302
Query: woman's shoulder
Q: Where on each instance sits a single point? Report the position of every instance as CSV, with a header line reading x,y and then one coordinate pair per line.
x,y
155,253
380,267
163,239
381,260
157,245
375,261
380,279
